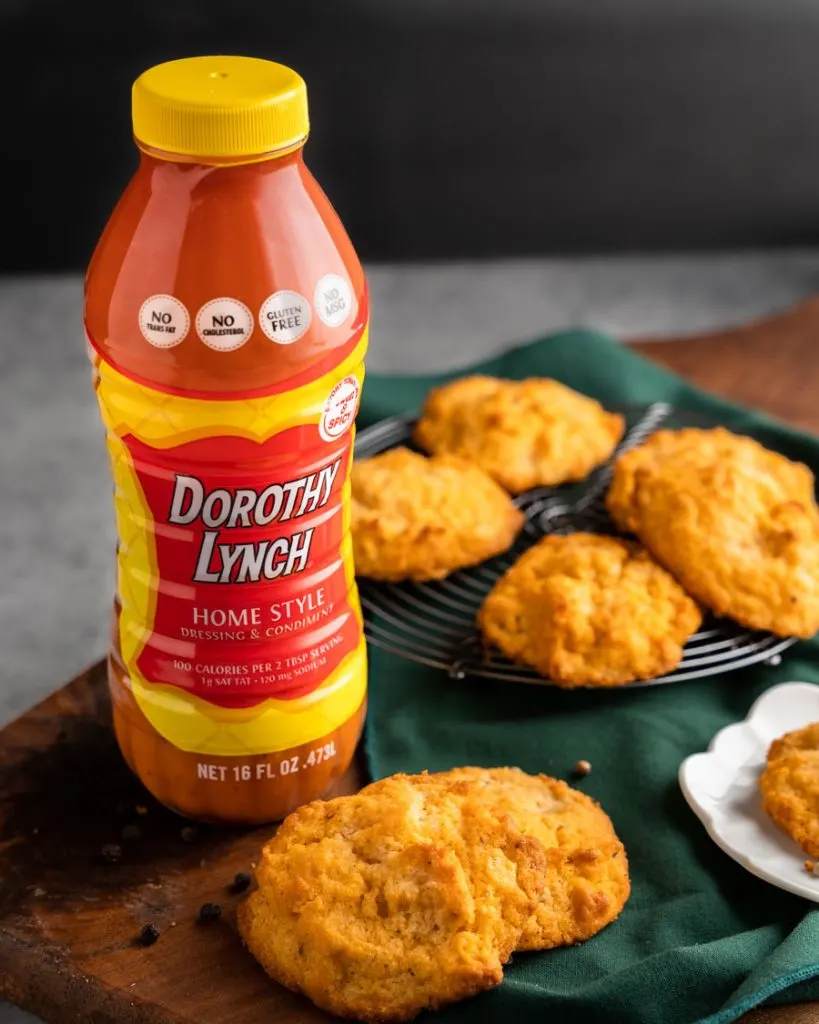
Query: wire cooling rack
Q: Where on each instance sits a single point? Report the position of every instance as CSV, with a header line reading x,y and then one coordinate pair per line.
x,y
434,623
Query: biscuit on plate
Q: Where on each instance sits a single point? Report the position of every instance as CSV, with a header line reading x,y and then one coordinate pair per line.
x,y
422,518
736,524
587,880
524,434
790,786
401,898
589,610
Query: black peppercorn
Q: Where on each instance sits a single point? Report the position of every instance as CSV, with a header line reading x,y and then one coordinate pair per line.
x,y
209,912
189,834
132,833
111,853
148,935
241,882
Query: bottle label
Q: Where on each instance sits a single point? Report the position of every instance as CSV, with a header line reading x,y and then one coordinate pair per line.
x,y
238,626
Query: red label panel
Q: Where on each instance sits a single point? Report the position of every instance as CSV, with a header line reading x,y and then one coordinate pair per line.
x,y
251,590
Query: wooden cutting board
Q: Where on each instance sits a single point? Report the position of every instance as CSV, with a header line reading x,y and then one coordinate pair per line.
x,y
69,922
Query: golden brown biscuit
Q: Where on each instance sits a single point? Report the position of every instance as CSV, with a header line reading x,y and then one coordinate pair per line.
x,y
528,433
421,519
735,523
790,786
589,610
401,898
587,880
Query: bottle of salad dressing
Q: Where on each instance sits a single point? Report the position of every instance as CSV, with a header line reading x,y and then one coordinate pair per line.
x,y
226,316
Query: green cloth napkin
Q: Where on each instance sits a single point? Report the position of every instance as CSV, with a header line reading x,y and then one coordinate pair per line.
x,y
700,939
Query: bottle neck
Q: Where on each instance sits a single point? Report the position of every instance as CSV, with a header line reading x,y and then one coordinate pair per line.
x,y
268,161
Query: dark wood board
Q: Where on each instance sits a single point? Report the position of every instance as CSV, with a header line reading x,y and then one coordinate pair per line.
x,y
772,364
69,922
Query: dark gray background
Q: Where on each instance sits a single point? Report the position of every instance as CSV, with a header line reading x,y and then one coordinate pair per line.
x,y
449,128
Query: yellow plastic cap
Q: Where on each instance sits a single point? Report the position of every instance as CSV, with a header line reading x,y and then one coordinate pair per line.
x,y
220,108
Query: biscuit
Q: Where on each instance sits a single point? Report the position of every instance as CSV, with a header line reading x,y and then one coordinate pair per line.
x,y
587,880
524,434
735,523
790,786
401,898
421,519
589,610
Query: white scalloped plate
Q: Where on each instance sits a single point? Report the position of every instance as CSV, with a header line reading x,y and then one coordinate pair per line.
x,y
722,787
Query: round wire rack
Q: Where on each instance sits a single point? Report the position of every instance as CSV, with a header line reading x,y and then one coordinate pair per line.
x,y
434,623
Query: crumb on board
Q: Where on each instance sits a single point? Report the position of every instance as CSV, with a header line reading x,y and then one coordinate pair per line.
x,y
111,853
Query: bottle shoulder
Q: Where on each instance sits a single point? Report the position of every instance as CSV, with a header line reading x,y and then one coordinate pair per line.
x,y
221,279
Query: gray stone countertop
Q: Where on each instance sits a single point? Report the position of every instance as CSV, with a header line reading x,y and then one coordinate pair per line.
x,y
56,526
